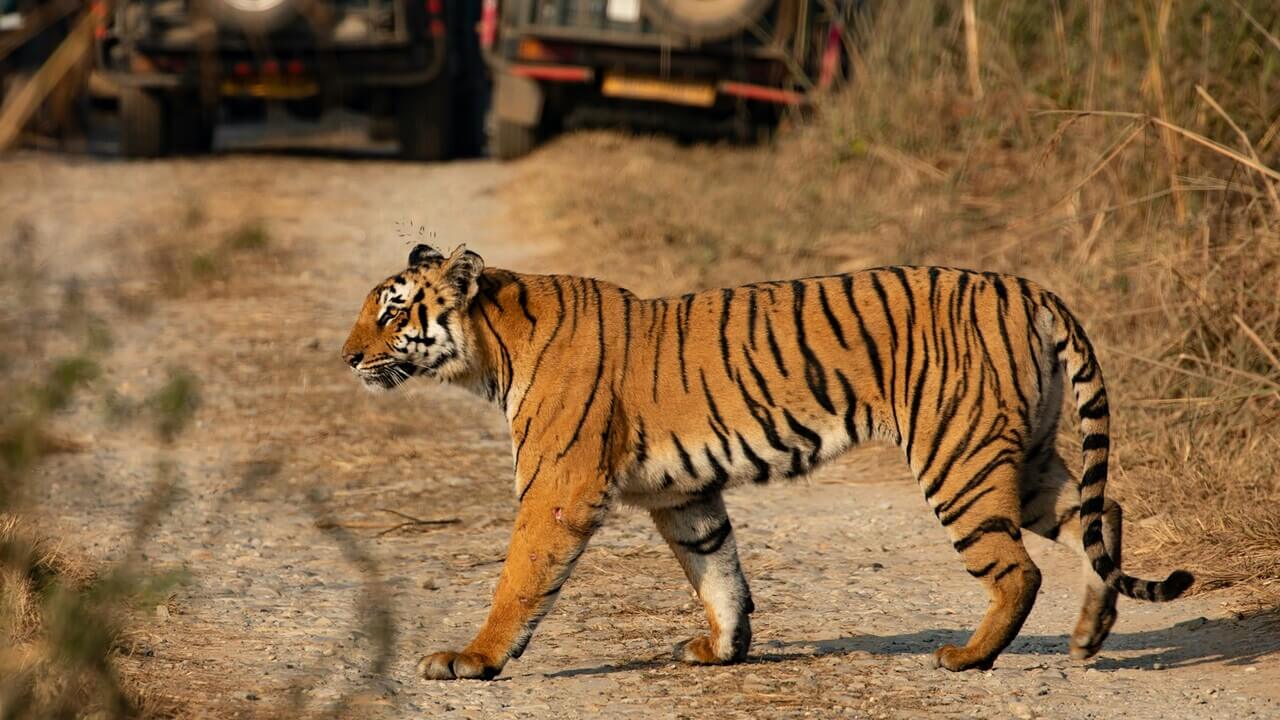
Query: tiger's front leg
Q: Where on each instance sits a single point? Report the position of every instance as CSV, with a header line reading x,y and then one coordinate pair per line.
x,y
701,537
553,525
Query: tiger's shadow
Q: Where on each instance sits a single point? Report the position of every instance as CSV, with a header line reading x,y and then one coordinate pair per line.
x,y
1234,641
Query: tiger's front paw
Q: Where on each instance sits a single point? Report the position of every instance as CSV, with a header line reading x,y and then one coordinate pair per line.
x,y
453,665
956,659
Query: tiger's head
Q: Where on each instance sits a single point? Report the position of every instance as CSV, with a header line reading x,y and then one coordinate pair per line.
x,y
415,322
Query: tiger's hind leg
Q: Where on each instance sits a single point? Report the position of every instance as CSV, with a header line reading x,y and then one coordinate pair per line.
x,y
982,518
1051,509
701,537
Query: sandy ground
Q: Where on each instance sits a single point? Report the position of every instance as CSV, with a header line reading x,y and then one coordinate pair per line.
x,y
854,581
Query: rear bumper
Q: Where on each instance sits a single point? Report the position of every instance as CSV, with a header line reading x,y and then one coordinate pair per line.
x,y
578,74
178,67
750,72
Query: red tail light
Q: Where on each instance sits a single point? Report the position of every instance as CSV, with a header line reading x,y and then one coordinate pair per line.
x,y
488,23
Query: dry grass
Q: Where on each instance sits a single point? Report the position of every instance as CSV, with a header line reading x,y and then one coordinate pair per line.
x,y
1155,215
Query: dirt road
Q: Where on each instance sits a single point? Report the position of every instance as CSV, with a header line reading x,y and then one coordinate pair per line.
x,y
854,581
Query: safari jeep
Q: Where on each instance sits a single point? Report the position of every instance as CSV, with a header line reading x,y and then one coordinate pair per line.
x,y
178,61
692,66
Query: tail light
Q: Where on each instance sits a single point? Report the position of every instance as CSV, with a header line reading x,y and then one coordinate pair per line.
x,y
488,24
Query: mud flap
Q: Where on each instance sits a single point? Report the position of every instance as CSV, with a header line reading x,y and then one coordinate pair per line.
x,y
517,100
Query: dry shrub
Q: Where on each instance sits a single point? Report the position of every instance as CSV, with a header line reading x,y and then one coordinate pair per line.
x,y
1159,223
31,567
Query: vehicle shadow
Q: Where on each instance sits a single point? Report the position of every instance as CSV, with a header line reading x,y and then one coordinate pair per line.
x,y
1241,640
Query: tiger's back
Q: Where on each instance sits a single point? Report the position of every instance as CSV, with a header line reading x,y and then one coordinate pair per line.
x,y
666,403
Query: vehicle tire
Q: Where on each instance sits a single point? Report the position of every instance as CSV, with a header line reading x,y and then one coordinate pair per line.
x,y
704,19
191,125
423,121
255,17
512,140
143,123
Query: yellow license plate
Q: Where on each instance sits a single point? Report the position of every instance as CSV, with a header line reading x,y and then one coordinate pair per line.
x,y
271,88
672,91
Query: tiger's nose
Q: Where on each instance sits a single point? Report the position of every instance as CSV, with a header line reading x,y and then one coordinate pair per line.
x,y
353,359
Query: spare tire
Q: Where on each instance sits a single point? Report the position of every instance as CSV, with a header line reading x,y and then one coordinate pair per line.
x,y
255,17
704,19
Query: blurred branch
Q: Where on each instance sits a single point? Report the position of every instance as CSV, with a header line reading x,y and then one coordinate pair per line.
x,y
15,114
409,522
36,22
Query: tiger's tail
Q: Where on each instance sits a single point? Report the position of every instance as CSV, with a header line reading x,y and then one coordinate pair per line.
x,y
1075,353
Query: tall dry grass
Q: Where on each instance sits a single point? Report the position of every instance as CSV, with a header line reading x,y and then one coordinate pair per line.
x,y
1122,154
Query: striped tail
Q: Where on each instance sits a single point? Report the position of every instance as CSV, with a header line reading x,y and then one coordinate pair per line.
x,y
1075,352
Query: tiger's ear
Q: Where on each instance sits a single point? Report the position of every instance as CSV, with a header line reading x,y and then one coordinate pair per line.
x,y
462,270
423,254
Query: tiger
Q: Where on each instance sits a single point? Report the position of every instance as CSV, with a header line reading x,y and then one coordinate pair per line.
x,y
663,404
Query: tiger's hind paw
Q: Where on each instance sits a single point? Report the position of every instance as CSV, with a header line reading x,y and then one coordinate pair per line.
x,y
1089,634
453,666
700,651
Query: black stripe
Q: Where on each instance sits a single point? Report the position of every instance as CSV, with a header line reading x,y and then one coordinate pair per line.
x,y
523,437
773,347
726,298
873,352
892,395
1096,407
711,542
759,378
682,318
685,460
719,476
1005,571
917,392
508,372
753,311
537,363
522,298
525,491
813,438
595,383
763,418
657,348
990,525
985,569
1092,506
1097,441
1094,475
716,421
832,320
951,517
815,375
626,330
851,407
762,467
642,444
